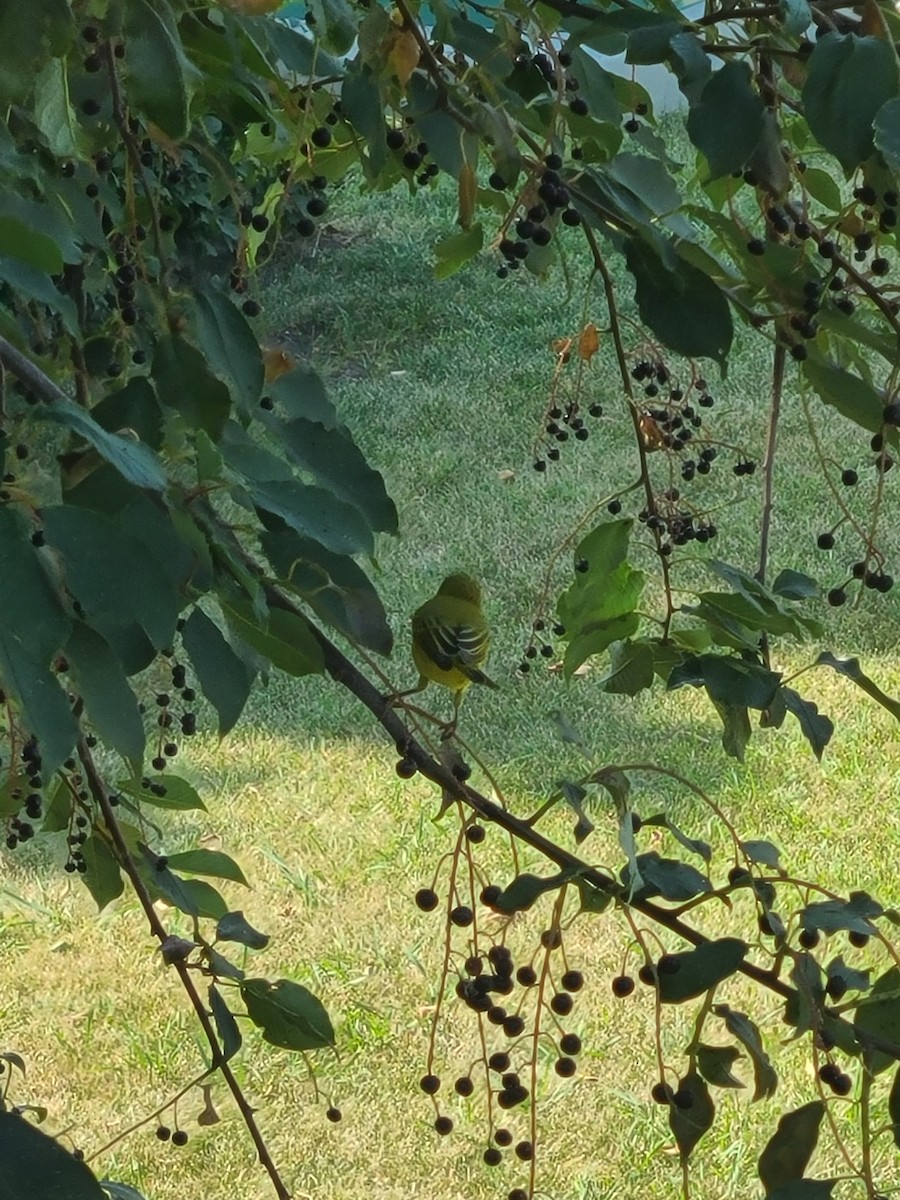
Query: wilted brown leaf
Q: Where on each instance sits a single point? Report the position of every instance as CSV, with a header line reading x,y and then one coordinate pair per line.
x,y
506,475
873,23
277,362
651,433
562,348
588,342
468,187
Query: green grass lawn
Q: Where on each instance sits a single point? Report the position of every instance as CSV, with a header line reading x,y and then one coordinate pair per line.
x,y
445,385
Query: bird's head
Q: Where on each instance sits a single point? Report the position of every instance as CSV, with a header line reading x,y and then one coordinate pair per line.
x,y
461,587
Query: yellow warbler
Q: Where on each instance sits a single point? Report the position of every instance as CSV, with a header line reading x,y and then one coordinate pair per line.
x,y
450,639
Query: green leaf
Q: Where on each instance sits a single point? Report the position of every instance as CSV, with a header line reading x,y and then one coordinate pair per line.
x,y
735,728
332,458
848,79
853,914
333,585
695,845
288,1014
715,1062
595,85
103,879
876,1022
172,792
817,730
729,681
224,678
630,669
667,877
155,77
851,668
592,898
747,1033
851,979
286,641
301,393
790,1148
185,383
133,460
21,241
214,863
794,585
230,346
53,113
459,248
525,889
362,101
887,133
315,513
726,123
33,629
111,705
682,305
696,971
29,35
226,1026
234,928
796,16
762,852
38,1167
894,1107
851,396
116,579
133,407
822,187
335,24
690,1122
190,896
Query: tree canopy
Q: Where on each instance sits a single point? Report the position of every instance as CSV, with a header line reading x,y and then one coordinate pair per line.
x,y
181,495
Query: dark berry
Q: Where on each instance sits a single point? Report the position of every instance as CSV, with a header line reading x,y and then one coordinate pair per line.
x,y
443,1125
661,1093
849,477
858,939
836,597
333,1114
395,140
462,915
526,976
463,1086
250,308
430,1084
503,1137
825,541
492,1157
406,768
566,1067
572,981
426,899
180,1137
321,137
756,246
562,1004
163,1132
809,938
496,181
525,1151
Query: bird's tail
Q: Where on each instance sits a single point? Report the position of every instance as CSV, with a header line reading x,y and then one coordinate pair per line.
x,y
476,676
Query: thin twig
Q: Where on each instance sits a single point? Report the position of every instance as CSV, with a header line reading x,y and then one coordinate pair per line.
x,y
101,799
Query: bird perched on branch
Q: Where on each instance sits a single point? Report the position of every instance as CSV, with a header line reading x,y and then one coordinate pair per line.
x,y
450,640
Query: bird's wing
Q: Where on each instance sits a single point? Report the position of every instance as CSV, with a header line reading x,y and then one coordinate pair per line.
x,y
458,643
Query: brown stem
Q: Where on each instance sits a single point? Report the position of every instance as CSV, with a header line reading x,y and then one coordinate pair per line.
x,y
121,118
101,799
433,67
30,376
612,307
765,527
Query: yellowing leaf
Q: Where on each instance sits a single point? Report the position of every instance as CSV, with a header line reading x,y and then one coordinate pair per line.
x,y
468,188
402,54
588,342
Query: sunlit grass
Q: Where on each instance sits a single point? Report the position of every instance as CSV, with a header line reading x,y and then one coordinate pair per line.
x,y
445,385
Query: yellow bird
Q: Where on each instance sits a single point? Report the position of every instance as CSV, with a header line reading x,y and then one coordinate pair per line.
x,y
450,640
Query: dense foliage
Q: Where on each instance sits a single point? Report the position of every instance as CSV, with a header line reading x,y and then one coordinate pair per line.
x,y
182,509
